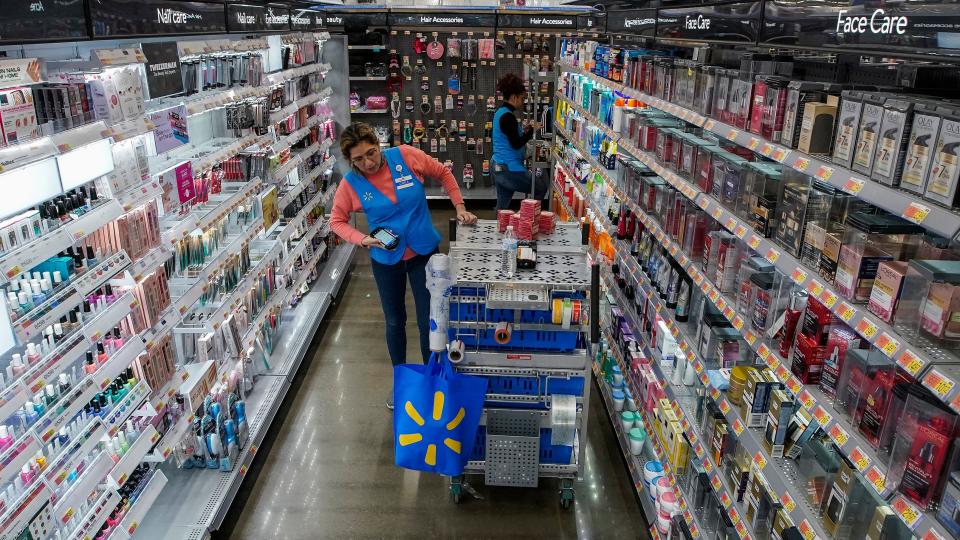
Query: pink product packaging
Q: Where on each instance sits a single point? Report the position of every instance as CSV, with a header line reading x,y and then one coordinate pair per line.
x,y
886,289
18,118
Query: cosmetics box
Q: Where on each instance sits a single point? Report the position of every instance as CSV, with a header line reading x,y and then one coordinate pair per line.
x,y
868,133
839,341
200,380
848,123
886,289
718,441
801,429
894,139
945,169
677,447
756,398
759,503
782,525
106,101
799,95
848,508
920,146
816,467
868,240
925,432
948,514
816,322
808,360
930,301
816,127
777,421
18,118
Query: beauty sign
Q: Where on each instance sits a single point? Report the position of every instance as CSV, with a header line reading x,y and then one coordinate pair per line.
x,y
171,131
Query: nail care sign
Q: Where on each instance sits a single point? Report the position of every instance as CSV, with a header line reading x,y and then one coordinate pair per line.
x,y
171,131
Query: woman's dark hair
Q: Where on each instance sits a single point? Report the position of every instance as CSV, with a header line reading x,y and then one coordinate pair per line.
x,y
356,133
510,85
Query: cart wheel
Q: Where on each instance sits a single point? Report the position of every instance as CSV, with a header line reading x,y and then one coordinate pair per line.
x,y
566,498
456,489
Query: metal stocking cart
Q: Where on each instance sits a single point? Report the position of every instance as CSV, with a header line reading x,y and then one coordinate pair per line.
x,y
530,337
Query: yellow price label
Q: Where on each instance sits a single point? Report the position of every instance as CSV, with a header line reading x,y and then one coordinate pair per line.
x,y
732,134
704,379
824,173
828,299
859,459
788,503
717,213
738,323
724,498
815,288
763,351
806,399
741,530
750,337
794,384
916,212
853,185
773,255
887,344
806,530
738,427
907,511
709,125
740,231
731,224
760,461
839,435
822,416
754,143
724,407
754,242
938,383
876,479
798,276
734,516
866,328
845,311
801,164
766,149
779,154
910,362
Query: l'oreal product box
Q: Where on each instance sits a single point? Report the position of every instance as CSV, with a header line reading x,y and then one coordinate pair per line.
x,y
778,420
945,170
920,147
886,289
816,127
868,134
801,429
848,122
892,147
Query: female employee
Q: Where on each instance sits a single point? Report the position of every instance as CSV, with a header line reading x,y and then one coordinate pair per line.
x,y
387,186
509,139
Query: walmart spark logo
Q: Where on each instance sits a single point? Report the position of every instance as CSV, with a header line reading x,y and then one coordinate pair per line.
x,y
367,196
406,439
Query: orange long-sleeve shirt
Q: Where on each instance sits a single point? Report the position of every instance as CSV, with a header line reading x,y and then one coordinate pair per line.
x,y
346,201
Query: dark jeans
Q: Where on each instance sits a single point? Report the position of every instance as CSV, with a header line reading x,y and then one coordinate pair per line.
x,y
509,182
392,284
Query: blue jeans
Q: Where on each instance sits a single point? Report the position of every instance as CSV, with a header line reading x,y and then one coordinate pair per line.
x,y
509,182
392,284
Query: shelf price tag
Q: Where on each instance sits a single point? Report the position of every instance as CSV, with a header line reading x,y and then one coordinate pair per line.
x,y
887,344
704,379
828,299
714,295
814,287
773,255
839,435
787,501
707,466
738,323
766,149
866,328
734,516
916,212
845,311
794,384
724,498
709,125
763,351
783,373
798,275
732,134
910,362
750,337
853,185
859,459
907,511
938,383
824,173
700,452
754,143
725,407
806,530
738,427
822,416
801,164
931,534
806,399
779,154
876,479
740,231
773,362
731,224
754,242
717,213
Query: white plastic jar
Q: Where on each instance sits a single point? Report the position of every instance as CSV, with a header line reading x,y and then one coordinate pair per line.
x,y
618,399
627,420
638,438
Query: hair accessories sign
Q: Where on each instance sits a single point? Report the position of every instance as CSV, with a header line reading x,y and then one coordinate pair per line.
x,y
537,20
464,20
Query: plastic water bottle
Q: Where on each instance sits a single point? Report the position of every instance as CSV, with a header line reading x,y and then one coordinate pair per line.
x,y
508,262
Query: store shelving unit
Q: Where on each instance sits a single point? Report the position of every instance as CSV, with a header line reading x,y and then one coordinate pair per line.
x,y
915,360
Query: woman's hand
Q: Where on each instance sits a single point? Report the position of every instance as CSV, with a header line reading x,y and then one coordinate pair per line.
x,y
369,242
465,217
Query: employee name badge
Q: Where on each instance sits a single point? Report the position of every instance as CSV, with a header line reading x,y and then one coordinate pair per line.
x,y
403,181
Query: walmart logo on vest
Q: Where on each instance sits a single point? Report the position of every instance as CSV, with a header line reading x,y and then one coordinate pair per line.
x,y
367,196
430,455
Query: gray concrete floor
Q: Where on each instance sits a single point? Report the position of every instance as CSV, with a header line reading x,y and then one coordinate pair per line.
x,y
329,473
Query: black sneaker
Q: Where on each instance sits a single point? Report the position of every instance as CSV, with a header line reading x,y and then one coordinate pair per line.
x,y
390,403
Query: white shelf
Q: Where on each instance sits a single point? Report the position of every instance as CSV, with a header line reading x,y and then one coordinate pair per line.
x,y
298,104
134,455
368,78
96,517
203,216
135,515
82,488
295,192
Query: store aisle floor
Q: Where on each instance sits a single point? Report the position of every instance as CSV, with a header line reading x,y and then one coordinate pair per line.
x,y
327,469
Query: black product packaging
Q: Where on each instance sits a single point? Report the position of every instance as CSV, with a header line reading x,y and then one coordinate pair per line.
x,y
920,146
894,139
868,134
799,93
848,122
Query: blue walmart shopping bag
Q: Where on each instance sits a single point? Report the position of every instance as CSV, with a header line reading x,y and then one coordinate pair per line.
x,y
436,415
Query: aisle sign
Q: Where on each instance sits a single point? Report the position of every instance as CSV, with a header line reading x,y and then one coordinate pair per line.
x,y
537,20
246,18
47,20
443,19
632,21
114,18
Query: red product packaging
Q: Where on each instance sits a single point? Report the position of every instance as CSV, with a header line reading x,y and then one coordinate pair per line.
x,y
756,112
839,340
808,360
816,322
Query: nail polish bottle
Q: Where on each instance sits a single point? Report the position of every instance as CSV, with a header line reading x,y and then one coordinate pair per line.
x,y
73,321
87,312
26,474
110,297
24,283
132,433
50,394
57,333
39,405
30,413
32,354
6,439
47,276
111,450
63,383
24,299
117,338
121,439
36,275
131,380
101,353
38,296
13,302
91,257
120,445
57,279
46,287
88,365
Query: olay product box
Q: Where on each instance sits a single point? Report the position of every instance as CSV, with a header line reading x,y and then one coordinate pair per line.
x,y
848,122
923,440
945,170
931,296
815,128
886,289
892,147
920,146
868,133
